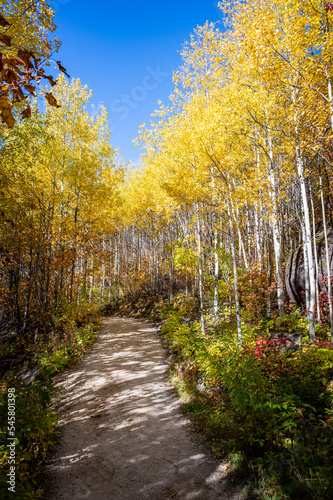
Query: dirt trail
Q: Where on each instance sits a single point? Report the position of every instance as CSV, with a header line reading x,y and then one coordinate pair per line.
x,y
123,436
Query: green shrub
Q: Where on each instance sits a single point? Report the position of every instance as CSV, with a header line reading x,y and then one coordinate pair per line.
x,y
35,429
35,433
263,400
57,355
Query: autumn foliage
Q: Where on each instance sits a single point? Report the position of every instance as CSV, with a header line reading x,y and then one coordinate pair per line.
x,y
21,60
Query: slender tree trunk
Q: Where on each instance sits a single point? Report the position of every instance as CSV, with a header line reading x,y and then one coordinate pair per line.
x,y
276,234
306,215
330,97
328,266
117,272
27,303
234,263
91,280
306,272
101,296
269,278
200,273
240,239
157,275
257,235
216,275
308,243
110,270
316,257
170,293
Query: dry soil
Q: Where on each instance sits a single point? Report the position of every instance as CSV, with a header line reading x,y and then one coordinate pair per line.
x,y
123,435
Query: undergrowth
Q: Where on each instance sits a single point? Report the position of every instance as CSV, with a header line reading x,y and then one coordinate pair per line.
x,y
35,421
267,402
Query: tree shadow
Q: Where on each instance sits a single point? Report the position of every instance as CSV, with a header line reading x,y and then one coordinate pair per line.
x,y
123,436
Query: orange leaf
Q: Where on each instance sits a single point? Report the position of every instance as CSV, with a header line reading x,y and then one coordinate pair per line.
x,y
30,88
51,81
26,113
62,69
7,118
3,21
5,39
51,100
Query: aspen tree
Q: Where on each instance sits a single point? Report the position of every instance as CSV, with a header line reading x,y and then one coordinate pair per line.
x,y
328,268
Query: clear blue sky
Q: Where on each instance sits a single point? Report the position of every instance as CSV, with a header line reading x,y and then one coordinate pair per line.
x,y
126,51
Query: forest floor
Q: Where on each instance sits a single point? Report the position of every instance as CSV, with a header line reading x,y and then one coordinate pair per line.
x,y
123,436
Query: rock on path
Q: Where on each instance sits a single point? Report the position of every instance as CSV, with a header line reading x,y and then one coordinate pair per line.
x,y
123,436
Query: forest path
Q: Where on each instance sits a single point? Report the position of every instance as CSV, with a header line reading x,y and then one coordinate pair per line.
x,y
123,436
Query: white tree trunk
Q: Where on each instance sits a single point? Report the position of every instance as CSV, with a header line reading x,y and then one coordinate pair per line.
x,y
234,262
200,273
257,235
316,258
102,284
117,269
240,239
306,271
216,276
329,291
91,282
276,235
308,237
170,277
308,242
329,85
269,278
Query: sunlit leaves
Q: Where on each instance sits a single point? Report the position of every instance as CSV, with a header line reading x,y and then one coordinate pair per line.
x,y
26,47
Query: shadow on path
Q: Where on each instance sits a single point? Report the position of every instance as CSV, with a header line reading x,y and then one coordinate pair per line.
x,y
123,436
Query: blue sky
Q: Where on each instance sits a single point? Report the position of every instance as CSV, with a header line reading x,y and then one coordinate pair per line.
x,y
126,51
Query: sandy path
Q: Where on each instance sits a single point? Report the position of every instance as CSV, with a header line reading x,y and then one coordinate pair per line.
x,y
123,436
